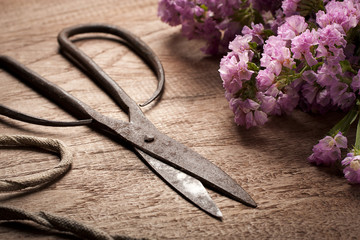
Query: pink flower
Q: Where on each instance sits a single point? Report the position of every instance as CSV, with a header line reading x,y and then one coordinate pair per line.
x,y
330,38
315,98
234,71
273,44
255,31
265,79
323,99
203,19
352,167
288,99
346,14
327,151
228,71
276,55
209,31
340,96
240,43
243,73
267,104
327,74
289,7
301,46
310,76
355,84
247,113
276,102
168,13
272,93
292,27
285,59
221,8
309,91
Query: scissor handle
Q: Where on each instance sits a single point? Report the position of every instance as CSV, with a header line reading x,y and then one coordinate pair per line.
x,y
48,89
98,75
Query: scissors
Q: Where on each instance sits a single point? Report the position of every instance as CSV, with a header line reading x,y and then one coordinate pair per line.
x,y
182,168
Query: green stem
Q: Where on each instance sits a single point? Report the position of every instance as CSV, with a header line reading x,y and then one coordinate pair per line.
x,y
357,141
344,124
305,68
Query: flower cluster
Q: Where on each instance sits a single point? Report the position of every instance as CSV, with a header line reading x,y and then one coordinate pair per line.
x,y
215,21
305,63
287,54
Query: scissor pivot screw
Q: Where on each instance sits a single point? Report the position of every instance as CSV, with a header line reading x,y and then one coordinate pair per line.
x,y
149,138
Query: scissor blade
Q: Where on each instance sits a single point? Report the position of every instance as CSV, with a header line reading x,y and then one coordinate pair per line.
x,y
189,187
144,135
150,140
199,167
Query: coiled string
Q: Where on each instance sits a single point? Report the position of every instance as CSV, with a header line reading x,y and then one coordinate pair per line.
x,y
45,219
32,180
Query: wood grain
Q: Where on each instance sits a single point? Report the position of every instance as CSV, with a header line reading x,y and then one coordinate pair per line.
x,y
110,188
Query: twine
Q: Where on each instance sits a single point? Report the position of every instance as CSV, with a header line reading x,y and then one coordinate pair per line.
x,y
45,219
32,180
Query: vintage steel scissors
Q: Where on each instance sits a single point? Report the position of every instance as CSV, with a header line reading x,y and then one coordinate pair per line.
x,y
181,167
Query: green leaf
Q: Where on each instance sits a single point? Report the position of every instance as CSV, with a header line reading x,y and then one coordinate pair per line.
x,y
357,141
316,66
346,66
253,45
268,32
203,6
257,17
344,124
252,66
246,16
309,7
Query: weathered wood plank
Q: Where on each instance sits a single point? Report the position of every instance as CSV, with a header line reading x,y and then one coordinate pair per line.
x,y
109,187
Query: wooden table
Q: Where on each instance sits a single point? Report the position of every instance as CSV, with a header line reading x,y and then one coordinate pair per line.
x,y
110,188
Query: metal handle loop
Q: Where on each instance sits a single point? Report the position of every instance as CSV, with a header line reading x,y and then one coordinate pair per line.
x,y
112,88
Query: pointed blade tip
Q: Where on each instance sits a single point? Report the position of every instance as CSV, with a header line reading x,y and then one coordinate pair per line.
x,y
251,203
211,209
219,214
245,199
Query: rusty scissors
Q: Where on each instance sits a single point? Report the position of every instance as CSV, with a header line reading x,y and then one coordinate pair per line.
x,y
182,168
